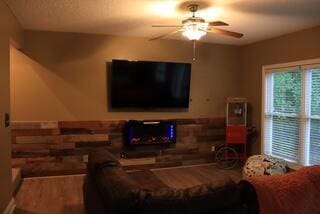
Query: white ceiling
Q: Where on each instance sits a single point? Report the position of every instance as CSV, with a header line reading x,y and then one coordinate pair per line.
x,y
257,19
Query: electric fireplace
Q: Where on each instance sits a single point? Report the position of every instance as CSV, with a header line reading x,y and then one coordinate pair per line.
x,y
150,133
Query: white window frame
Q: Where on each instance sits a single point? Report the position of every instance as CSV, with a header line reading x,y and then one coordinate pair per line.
x,y
303,66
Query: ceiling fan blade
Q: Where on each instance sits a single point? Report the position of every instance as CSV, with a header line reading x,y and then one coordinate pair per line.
x,y
166,25
164,35
225,32
218,23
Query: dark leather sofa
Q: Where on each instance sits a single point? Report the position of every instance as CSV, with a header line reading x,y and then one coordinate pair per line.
x,y
109,189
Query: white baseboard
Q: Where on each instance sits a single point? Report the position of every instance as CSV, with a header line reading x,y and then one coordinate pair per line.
x,y
10,208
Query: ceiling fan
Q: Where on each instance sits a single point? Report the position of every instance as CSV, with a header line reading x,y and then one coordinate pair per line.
x,y
195,27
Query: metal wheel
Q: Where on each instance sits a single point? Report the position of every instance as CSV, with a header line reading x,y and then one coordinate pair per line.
x,y
226,157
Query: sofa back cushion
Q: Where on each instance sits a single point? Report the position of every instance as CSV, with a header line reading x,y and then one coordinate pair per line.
x,y
121,194
205,198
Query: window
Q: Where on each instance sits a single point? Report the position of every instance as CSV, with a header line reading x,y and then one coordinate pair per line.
x,y
291,112
315,118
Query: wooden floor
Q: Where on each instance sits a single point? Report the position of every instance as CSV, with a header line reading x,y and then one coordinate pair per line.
x,y
54,195
50,195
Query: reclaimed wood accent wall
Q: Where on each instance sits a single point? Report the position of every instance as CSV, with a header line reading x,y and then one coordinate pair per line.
x,y
62,147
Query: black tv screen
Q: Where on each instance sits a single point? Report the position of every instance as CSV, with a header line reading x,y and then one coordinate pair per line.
x,y
145,84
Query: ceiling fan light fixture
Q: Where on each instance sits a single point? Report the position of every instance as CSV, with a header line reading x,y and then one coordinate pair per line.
x,y
194,31
193,34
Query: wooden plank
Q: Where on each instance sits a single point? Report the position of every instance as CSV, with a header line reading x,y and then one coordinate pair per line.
x,y
16,125
88,150
39,139
216,124
77,131
184,146
107,130
93,144
78,124
94,126
77,159
195,129
187,140
86,138
93,130
49,125
42,160
212,138
16,162
29,146
89,124
13,139
189,128
207,147
180,150
84,150
30,153
61,146
34,132
62,152
215,131
61,138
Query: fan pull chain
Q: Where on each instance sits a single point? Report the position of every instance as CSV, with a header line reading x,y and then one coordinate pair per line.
x,y
194,50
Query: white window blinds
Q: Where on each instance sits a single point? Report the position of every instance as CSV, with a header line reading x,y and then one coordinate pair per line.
x,y
291,120
284,114
315,118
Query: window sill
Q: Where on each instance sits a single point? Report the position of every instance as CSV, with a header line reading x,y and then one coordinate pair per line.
x,y
293,166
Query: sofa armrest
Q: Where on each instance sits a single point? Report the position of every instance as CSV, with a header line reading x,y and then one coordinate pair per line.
x,y
249,197
99,159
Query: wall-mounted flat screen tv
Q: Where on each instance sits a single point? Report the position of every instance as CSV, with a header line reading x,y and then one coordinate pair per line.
x,y
146,84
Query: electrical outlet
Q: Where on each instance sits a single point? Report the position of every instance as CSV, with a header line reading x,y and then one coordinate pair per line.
x,y
85,158
6,120
213,148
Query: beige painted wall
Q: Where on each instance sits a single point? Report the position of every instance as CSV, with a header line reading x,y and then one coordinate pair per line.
x,y
9,30
62,76
301,45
